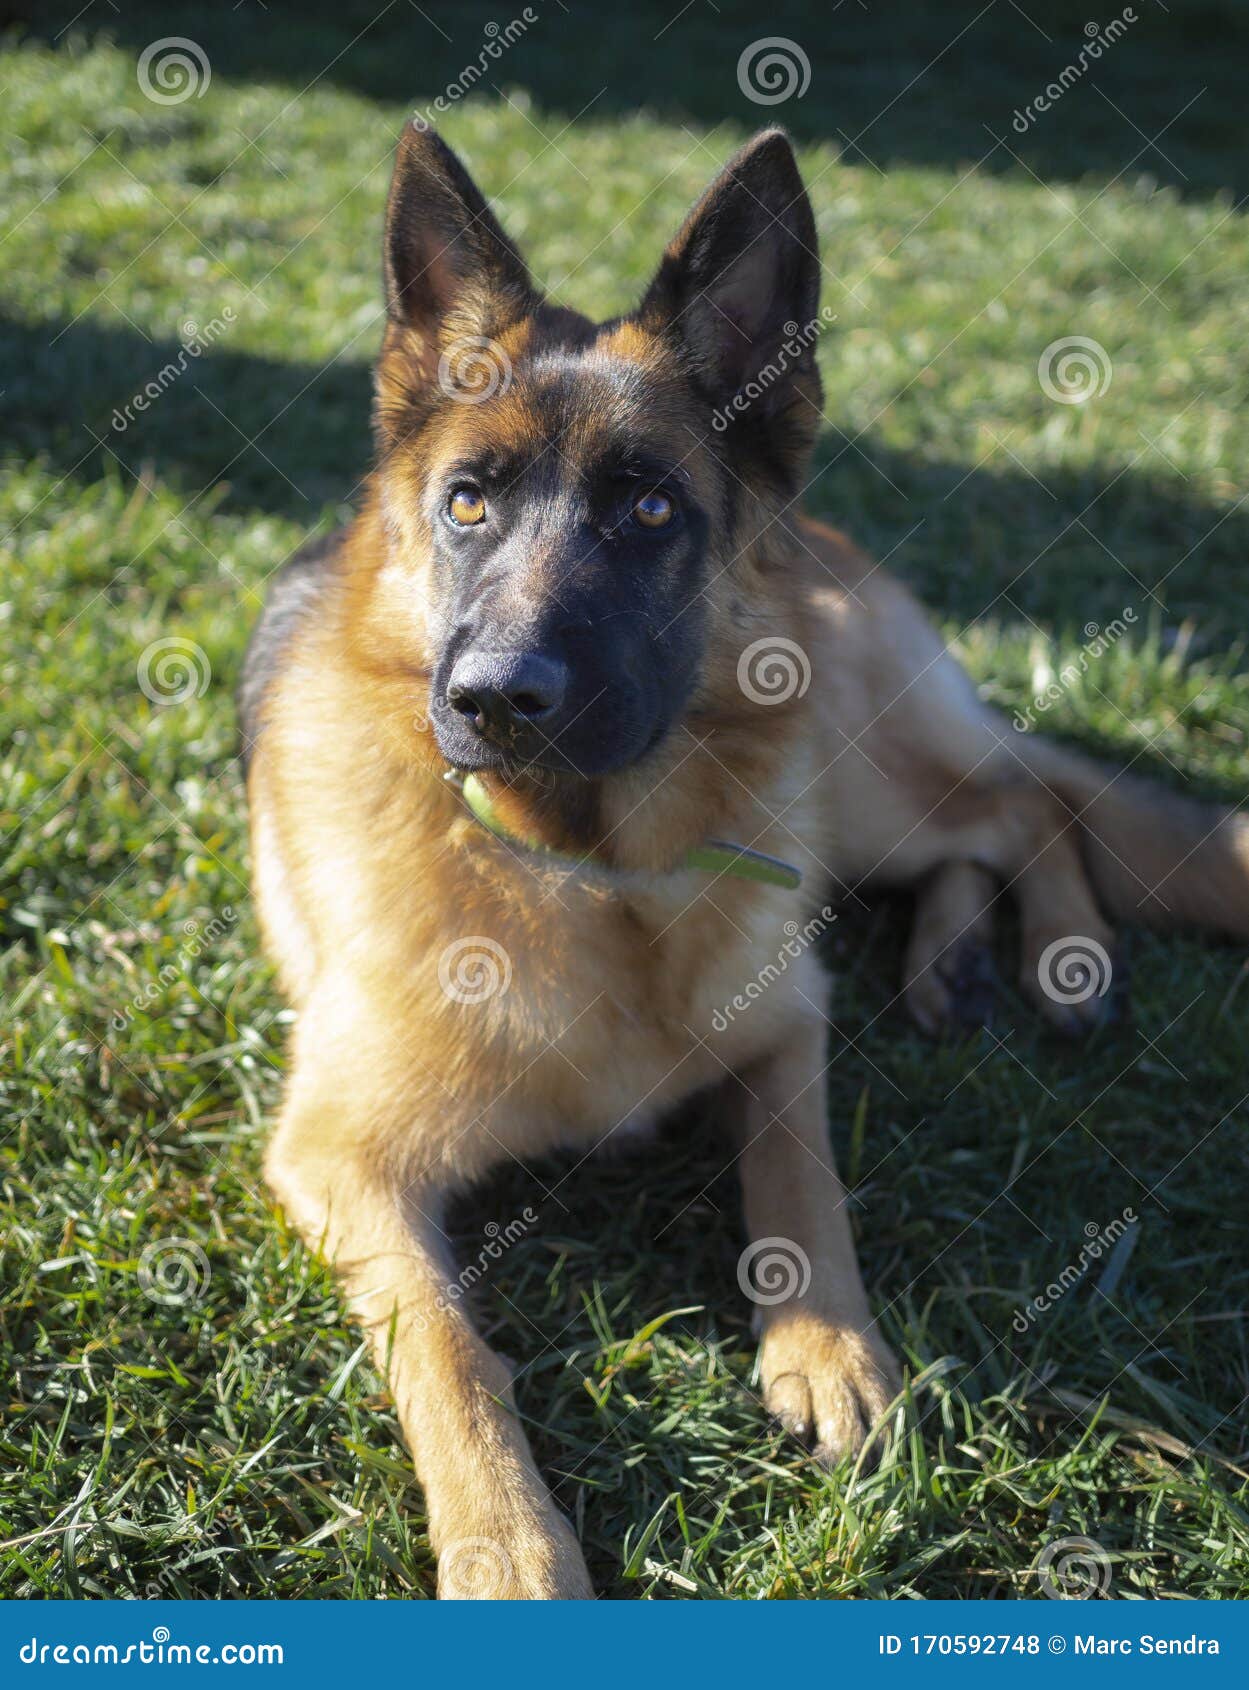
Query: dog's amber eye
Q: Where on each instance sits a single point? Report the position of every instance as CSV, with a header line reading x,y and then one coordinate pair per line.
x,y
466,507
653,510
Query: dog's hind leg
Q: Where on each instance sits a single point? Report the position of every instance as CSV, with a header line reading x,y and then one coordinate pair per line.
x,y
1027,836
948,975
825,1372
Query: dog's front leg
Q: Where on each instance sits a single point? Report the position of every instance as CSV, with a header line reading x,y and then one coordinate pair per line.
x,y
826,1374
496,1530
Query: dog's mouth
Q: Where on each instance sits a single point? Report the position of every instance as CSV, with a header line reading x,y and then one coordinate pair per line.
x,y
514,764
594,745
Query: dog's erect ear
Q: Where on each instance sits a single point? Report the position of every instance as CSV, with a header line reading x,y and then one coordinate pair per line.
x,y
449,268
743,276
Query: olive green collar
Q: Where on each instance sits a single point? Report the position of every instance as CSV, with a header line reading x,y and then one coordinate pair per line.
x,y
714,856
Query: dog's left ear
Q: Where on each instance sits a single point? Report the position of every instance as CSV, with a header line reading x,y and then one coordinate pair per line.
x,y
742,279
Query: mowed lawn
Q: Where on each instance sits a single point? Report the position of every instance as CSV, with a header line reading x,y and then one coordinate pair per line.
x,y
185,1410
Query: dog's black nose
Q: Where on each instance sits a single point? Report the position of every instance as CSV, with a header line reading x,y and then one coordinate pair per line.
x,y
503,692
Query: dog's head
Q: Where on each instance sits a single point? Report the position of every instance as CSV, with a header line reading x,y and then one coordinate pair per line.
x,y
562,498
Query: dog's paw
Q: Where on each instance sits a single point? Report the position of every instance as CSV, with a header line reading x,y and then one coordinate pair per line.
x,y
1076,980
958,991
538,1561
827,1385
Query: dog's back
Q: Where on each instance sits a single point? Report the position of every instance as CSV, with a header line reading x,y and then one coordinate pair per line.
x,y
295,593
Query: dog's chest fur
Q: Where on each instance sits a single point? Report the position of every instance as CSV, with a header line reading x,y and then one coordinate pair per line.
x,y
631,1001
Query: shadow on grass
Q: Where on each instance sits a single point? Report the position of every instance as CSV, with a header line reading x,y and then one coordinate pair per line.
x,y
258,433
624,1236
292,440
897,83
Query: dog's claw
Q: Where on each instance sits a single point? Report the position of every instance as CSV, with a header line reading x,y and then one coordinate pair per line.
x,y
826,1386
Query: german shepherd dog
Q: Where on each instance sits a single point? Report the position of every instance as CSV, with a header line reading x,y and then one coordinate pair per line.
x,y
555,588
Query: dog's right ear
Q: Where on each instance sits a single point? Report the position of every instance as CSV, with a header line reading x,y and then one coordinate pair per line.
x,y
450,271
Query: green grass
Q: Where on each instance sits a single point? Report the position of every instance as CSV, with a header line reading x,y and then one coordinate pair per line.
x,y
237,1442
